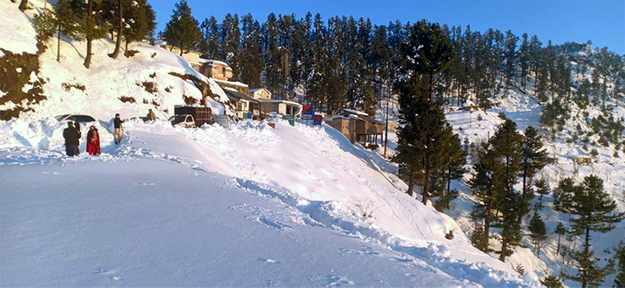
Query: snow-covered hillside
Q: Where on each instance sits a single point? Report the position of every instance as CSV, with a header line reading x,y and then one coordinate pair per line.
x,y
139,217
153,78
477,126
313,173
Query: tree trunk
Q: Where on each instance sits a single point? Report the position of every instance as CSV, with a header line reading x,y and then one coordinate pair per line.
x,y
58,45
583,272
449,180
181,50
120,30
426,187
89,34
126,49
504,247
410,184
524,182
487,223
23,5
558,251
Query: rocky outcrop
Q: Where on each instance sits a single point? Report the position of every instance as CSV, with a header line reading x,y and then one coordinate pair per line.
x,y
20,87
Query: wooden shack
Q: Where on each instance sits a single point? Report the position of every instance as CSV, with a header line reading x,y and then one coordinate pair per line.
x,y
363,131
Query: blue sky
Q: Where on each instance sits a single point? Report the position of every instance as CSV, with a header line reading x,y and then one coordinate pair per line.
x,y
601,21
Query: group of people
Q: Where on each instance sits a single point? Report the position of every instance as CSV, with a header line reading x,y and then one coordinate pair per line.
x,y
72,136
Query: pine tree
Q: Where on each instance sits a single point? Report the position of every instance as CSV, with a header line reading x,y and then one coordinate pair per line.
x,y
513,207
592,210
533,157
510,57
524,59
140,22
210,38
182,30
542,188
230,40
60,21
619,280
563,194
117,11
92,26
560,231
272,55
423,138
456,158
538,232
507,142
486,184
251,65
428,52
551,282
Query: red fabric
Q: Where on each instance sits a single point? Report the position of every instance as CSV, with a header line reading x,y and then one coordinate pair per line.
x,y
93,142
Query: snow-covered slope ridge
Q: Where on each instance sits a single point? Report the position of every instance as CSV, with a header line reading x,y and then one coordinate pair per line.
x,y
127,85
18,36
522,108
138,217
315,171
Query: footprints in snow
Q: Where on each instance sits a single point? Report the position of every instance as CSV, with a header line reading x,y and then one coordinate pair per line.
x,y
144,184
274,220
109,273
367,251
269,260
274,224
50,173
333,280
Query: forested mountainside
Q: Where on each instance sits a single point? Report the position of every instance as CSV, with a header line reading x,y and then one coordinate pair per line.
x,y
347,61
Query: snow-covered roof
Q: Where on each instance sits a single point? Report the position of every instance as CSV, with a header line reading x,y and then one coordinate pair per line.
x,y
235,83
204,60
355,112
252,90
283,101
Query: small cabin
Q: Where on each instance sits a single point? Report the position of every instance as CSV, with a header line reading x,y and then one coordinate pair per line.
x,y
280,107
246,107
583,161
215,69
260,93
357,129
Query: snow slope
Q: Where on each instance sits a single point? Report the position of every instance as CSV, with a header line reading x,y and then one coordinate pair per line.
x,y
18,35
525,111
146,222
313,171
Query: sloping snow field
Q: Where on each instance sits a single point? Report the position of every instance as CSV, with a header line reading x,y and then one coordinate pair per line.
x,y
314,187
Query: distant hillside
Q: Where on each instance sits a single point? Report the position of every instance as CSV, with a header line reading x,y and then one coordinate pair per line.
x,y
36,84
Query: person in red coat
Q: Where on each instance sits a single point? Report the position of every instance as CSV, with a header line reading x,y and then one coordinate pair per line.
x,y
93,141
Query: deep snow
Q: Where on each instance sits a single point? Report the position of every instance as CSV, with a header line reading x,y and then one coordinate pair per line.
x,y
313,172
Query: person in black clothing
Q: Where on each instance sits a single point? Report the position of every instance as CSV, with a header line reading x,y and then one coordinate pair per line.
x,y
77,127
71,140
118,129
